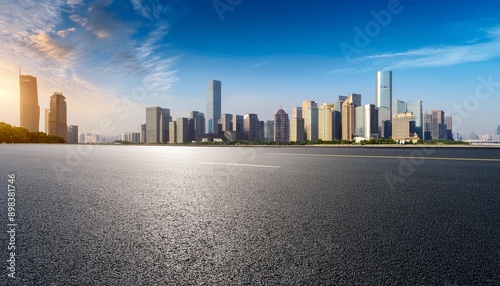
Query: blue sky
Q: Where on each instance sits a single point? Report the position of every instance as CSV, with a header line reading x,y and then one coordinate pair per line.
x,y
111,59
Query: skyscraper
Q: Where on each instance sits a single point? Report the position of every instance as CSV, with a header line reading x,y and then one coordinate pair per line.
x,y
238,126
72,134
165,118
415,107
281,126
297,112
153,125
296,129
182,130
403,126
438,128
29,108
312,129
383,97
251,127
47,118
371,121
58,115
214,91
142,132
269,131
307,121
398,106
198,124
427,128
226,121
359,130
348,118
449,131
325,122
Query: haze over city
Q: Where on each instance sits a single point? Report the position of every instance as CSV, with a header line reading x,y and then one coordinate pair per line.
x,y
111,59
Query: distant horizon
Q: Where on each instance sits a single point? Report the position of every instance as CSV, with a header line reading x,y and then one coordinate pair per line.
x,y
111,59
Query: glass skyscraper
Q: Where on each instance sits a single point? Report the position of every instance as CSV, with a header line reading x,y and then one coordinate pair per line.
x,y
30,110
383,91
214,88
415,107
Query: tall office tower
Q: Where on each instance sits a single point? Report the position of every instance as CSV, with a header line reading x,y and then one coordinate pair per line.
x,y
142,132
251,127
337,125
73,134
47,118
325,122
214,91
81,137
348,119
427,129
198,124
281,126
371,121
438,128
297,112
58,115
403,126
261,130
383,89
448,123
238,126
29,108
172,134
153,125
182,130
226,121
165,118
269,131
415,107
398,106
340,101
307,121
359,130
312,129
296,129
384,122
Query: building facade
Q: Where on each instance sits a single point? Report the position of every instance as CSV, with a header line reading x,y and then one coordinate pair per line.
x,y
348,118
307,120
58,116
251,127
72,134
281,126
28,98
415,107
403,126
325,122
213,114
297,129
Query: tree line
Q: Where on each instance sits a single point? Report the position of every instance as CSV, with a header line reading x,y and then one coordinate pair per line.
x,y
13,134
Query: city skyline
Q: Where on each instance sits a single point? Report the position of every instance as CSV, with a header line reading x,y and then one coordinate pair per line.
x,y
111,59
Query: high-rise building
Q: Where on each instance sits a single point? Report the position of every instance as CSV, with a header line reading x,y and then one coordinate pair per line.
x,y
307,121
226,121
312,129
47,118
427,128
198,124
72,134
498,130
371,121
359,130
281,126
261,130
182,130
448,122
438,127
251,127
415,107
165,118
81,137
403,126
348,118
58,116
296,129
153,124
214,91
172,135
29,108
325,122
383,90
269,131
398,106
297,112
384,119
238,126
142,133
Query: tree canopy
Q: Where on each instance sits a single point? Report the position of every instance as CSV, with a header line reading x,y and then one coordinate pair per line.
x,y
13,134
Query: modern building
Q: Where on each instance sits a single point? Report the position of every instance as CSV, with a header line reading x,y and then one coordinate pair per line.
x,y
28,98
438,127
325,122
297,129
403,127
307,121
297,112
371,130
340,101
182,127
448,121
214,91
348,118
261,130
198,124
81,137
238,126
427,128
142,133
398,106
383,90
384,122
312,129
415,107
269,131
58,116
72,134
281,126
359,130
226,120
251,127
172,135
153,124
164,121
47,118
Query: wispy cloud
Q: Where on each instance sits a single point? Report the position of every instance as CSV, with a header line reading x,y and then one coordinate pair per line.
x,y
149,9
258,65
474,50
